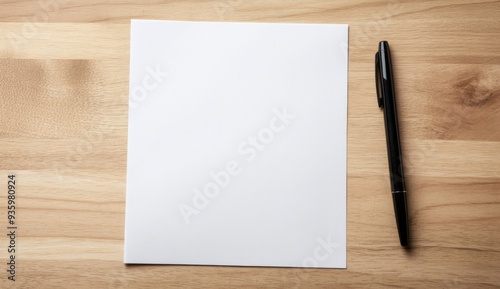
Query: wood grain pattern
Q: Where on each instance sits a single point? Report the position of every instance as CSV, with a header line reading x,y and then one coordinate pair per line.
x,y
63,131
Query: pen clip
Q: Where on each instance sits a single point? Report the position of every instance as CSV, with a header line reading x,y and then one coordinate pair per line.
x,y
378,80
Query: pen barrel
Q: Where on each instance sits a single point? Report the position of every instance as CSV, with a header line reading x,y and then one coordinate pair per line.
x,y
387,99
394,155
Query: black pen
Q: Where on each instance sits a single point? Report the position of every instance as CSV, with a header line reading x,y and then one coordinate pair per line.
x,y
387,101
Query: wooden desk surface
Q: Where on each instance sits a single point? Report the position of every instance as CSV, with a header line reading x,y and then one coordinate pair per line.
x,y
63,132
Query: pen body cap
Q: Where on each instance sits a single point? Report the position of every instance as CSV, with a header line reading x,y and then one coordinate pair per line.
x,y
383,72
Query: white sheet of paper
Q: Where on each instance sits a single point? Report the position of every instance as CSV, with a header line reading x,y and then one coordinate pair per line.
x,y
237,144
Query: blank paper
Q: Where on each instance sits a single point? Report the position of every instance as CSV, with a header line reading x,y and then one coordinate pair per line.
x,y
237,144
